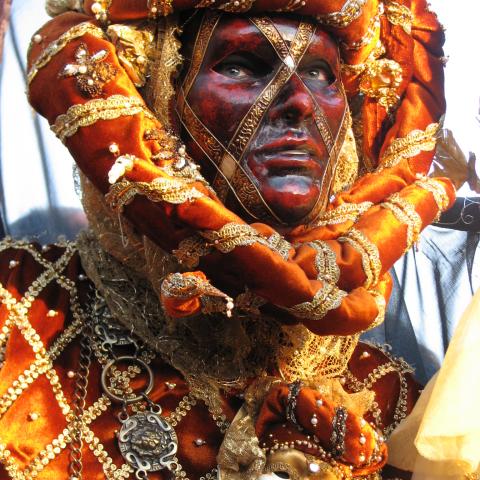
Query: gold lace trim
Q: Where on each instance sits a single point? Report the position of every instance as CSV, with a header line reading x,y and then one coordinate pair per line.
x,y
407,147
170,190
59,44
350,11
399,15
89,113
437,190
327,298
233,235
405,213
343,213
325,262
369,252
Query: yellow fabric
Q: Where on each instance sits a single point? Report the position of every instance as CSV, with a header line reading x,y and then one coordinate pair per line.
x,y
443,431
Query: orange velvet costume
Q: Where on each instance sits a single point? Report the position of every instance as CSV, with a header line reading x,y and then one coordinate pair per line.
x,y
367,227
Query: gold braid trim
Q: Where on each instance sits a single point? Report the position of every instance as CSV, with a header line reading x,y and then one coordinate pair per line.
x,y
437,190
369,252
343,213
58,45
381,306
399,15
406,147
159,190
233,235
327,298
86,114
373,29
405,213
351,10
190,251
325,262
278,244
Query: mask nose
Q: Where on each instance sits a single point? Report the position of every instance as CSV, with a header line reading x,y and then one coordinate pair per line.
x,y
293,105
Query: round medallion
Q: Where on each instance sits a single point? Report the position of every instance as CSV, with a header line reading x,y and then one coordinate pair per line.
x,y
148,442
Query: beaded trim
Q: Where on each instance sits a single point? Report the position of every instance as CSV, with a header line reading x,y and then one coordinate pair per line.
x,y
89,113
325,262
58,45
369,252
405,213
351,10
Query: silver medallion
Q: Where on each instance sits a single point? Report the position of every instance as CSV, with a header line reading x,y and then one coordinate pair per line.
x,y
148,442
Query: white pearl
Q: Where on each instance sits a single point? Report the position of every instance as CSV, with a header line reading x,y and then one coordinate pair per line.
x,y
319,402
69,69
51,313
90,82
70,374
33,416
82,69
314,421
200,442
37,38
182,151
361,458
230,305
13,264
363,440
96,8
364,355
82,277
113,148
314,467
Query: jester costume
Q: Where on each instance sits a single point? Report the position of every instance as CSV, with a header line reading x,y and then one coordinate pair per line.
x,y
191,333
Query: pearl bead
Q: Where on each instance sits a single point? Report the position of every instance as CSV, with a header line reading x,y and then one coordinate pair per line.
x,y
13,264
33,416
365,355
363,422
200,442
51,313
96,7
230,305
70,374
45,248
319,402
113,148
37,38
154,10
82,69
361,458
82,277
182,150
170,385
314,467
363,440
343,380
90,82
314,420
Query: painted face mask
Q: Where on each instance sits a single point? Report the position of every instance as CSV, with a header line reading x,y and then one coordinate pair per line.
x,y
264,112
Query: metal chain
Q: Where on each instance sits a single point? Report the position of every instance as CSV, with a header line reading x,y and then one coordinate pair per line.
x,y
77,423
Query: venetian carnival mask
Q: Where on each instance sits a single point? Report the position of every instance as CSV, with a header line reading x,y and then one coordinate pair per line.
x,y
264,112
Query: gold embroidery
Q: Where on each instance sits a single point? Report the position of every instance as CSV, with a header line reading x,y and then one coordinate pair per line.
x,y
369,252
343,213
134,45
399,15
380,81
406,147
327,298
292,5
350,11
161,189
86,114
405,213
381,307
359,68
437,190
372,31
58,45
278,244
191,250
237,6
100,9
159,7
233,235
325,262
91,71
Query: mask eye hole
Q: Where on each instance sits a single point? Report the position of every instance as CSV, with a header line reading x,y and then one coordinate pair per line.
x,y
242,66
281,475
